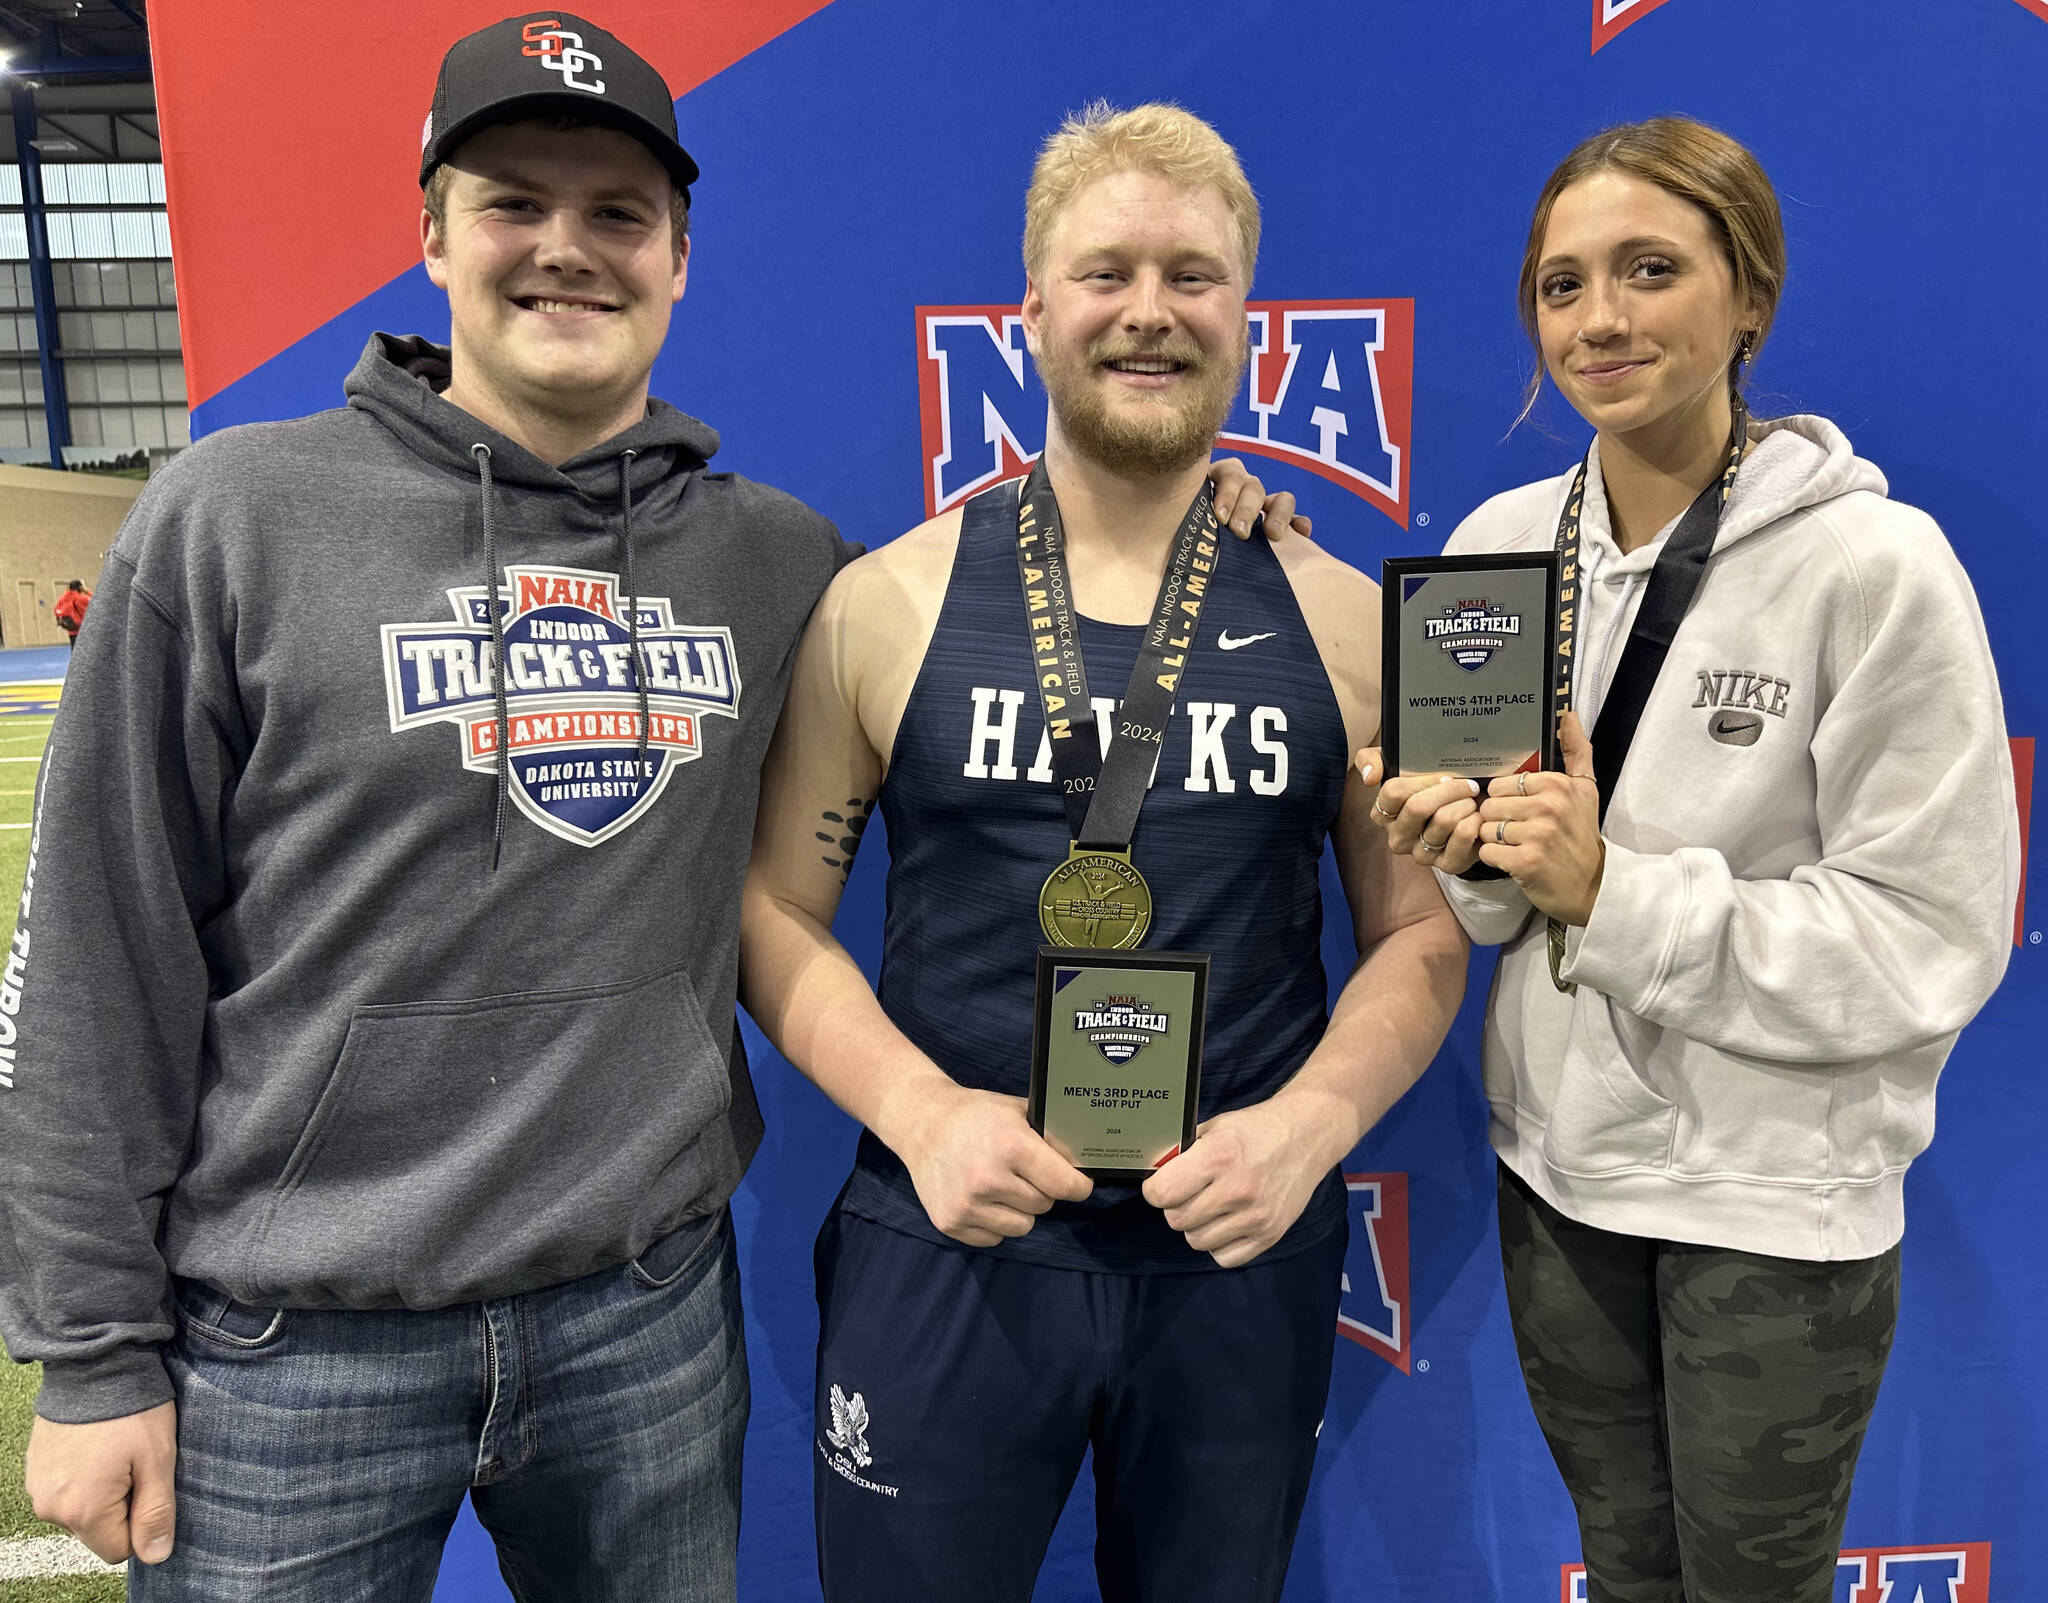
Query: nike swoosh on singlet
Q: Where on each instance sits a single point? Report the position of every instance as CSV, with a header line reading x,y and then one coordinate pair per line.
x,y
1225,643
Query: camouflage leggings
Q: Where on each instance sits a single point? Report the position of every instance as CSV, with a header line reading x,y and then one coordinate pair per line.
x,y
1705,1406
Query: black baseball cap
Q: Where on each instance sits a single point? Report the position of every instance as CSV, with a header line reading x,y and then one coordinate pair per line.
x,y
546,64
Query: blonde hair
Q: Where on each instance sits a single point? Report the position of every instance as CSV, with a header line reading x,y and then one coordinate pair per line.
x,y
1697,163
1099,140
434,193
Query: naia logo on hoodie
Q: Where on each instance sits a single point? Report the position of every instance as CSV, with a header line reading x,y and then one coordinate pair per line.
x,y
570,702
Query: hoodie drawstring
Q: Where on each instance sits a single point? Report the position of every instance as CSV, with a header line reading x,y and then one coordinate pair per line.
x,y
503,742
633,619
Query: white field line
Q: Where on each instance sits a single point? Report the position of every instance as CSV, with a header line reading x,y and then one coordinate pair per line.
x,y
13,826
26,1557
20,759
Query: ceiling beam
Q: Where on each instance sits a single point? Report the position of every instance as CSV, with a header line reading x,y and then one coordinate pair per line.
x,y
71,132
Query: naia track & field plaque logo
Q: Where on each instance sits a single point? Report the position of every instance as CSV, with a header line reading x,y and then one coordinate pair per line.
x,y
1470,632
569,695
1120,1027
1329,387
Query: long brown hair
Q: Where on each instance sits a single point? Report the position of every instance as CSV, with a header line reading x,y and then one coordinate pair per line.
x,y
1697,163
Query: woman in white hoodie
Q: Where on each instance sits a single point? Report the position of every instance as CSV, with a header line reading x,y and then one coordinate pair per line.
x,y
1720,1008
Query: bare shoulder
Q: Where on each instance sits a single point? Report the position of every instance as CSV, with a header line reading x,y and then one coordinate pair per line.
x,y
1341,604
895,591
1342,609
876,622
923,552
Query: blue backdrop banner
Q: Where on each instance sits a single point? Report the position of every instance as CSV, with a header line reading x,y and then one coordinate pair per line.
x,y
851,329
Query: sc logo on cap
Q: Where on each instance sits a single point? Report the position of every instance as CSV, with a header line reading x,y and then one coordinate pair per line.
x,y
563,52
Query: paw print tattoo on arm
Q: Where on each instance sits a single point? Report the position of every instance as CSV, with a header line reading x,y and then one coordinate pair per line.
x,y
844,836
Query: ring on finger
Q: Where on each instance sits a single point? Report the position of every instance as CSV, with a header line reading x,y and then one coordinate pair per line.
x,y
1521,784
1500,832
1428,845
1377,809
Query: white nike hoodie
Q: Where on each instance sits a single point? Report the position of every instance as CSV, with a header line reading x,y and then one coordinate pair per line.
x,y
1812,859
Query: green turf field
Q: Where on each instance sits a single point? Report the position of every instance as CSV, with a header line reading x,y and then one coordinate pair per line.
x,y
21,746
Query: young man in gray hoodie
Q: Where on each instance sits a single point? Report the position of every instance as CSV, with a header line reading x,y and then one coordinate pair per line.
x,y
369,1087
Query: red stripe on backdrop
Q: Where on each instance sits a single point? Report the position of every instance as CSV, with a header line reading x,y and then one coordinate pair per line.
x,y
2023,790
2038,7
291,138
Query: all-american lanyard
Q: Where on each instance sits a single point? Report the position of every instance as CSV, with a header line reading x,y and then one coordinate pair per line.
x,y
1674,580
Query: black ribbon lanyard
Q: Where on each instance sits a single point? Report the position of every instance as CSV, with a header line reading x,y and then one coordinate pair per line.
x,y
1674,580
1103,794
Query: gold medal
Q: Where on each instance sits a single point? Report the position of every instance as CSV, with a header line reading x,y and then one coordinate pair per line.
x,y
1096,899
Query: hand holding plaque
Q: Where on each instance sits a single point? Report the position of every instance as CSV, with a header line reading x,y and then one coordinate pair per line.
x,y
982,1173
1116,1057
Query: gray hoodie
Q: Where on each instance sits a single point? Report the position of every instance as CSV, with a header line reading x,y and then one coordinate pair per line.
x,y
311,999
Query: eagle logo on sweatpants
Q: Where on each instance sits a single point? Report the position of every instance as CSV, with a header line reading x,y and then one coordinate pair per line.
x,y
849,1432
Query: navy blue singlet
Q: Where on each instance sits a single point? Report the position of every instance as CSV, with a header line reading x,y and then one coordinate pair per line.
x,y
1230,840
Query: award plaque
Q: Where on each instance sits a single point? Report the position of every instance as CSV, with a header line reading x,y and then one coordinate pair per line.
x,y
1467,648
1116,1056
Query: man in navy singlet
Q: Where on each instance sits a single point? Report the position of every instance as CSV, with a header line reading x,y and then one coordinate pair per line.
x,y
988,1316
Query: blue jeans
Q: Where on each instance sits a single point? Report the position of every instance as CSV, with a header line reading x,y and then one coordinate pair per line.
x,y
596,1425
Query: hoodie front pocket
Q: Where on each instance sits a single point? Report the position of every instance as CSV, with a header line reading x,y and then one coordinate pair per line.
x,y
463,1146
1606,1117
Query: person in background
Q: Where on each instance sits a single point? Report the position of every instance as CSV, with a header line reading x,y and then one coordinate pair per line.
x,y
1731,966
70,609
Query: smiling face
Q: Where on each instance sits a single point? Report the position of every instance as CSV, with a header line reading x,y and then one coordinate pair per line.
x,y
1636,310
560,267
1135,319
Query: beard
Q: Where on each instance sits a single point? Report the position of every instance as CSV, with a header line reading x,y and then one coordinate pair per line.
x,y
1164,433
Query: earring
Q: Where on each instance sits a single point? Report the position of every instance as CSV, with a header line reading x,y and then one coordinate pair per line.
x,y
1745,348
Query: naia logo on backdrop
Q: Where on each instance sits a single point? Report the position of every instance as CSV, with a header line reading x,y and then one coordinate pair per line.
x,y
2023,790
1883,1575
1611,17
1328,388
1372,1309
562,51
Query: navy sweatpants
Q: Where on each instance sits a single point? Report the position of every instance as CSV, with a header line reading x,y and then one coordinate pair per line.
x,y
958,1392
